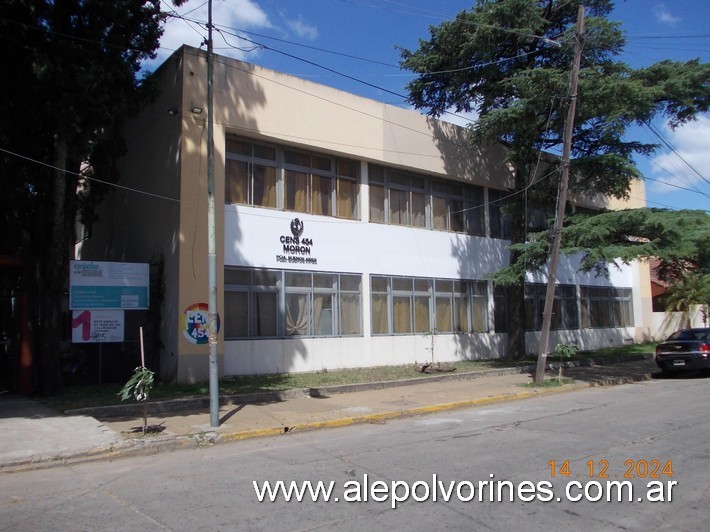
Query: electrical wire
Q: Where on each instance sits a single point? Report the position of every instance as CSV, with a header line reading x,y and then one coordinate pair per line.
x,y
88,178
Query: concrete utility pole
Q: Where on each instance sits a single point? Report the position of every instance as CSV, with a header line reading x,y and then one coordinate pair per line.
x,y
561,203
211,235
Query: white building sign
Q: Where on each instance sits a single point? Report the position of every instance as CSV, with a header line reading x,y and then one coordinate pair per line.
x,y
108,285
97,326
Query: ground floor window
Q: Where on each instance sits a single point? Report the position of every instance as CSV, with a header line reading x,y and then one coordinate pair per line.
x,y
408,305
262,303
600,307
565,311
605,306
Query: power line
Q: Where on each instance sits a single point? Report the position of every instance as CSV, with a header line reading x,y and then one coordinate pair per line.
x,y
88,178
670,147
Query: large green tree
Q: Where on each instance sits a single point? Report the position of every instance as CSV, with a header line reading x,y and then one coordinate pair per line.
x,y
678,241
72,74
509,61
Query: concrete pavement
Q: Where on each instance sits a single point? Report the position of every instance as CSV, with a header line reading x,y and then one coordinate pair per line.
x,y
35,436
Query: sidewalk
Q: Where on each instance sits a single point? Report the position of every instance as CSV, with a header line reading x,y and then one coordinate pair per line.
x,y
33,435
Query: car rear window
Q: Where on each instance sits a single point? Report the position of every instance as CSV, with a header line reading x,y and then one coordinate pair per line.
x,y
691,334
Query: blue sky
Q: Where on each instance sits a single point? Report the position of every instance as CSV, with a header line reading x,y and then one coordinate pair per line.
x,y
359,38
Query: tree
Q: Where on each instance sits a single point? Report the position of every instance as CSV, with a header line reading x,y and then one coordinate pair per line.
x,y
680,240
75,66
509,61
693,289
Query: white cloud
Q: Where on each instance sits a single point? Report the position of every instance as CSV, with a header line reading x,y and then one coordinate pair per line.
x,y
301,28
227,15
459,119
664,16
692,144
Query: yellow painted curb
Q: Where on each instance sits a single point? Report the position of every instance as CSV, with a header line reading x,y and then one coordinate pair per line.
x,y
382,416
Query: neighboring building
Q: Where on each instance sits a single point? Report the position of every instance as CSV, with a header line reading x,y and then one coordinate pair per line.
x,y
348,229
664,321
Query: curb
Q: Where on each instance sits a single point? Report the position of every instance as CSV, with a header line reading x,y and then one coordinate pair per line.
x,y
158,444
156,408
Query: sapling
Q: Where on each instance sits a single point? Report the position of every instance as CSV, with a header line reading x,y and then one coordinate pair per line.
x,y
564,351
139,385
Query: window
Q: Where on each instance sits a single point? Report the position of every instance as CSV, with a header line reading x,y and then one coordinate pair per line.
x,y
401,198
407,199
250,173
251,303
606,306
310,182
501,295
346,185
453,309
500,220
564,307
447,206
276,303
406,305
475,211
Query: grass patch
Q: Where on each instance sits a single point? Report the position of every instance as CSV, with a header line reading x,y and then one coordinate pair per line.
x,y
81,396
547,383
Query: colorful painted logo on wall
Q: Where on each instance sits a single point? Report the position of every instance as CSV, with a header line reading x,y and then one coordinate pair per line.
x,y
195,323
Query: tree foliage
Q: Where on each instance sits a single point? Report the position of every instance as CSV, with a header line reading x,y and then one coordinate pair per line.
x,y
680,240
73,76
509,62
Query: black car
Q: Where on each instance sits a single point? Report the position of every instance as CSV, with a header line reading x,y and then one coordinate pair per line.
x,y
688,349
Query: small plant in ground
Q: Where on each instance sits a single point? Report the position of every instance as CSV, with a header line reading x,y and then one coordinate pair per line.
x,y
564,351
548,383
138,387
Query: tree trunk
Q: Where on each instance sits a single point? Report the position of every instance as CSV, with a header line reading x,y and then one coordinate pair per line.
x,y
516,293
53,281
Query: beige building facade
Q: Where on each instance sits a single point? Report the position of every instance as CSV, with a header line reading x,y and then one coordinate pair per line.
x,y
350,232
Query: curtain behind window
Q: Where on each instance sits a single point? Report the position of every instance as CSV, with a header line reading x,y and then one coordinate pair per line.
x,y
297,312
296,184
265,186
236,174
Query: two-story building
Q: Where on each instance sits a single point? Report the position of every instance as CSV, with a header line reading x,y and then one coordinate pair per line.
x,y
348,231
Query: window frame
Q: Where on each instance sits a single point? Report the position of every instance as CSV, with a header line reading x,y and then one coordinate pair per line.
x,y
388,290
319,173
285,290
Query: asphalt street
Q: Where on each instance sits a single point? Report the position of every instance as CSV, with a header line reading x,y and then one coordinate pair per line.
x,y
586,437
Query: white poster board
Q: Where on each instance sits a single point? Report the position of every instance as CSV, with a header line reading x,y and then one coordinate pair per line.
x,y
108,285
97,326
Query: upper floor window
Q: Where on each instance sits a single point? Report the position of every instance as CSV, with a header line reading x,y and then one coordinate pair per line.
x,y
401,198
500,220
250,173
277,177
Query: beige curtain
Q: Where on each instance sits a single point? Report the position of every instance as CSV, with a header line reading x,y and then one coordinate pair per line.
x,y
402,314
296,189
321,195
297,314
443,314
422,323
235,182
350,313
265,186
380,321
377,203
346,198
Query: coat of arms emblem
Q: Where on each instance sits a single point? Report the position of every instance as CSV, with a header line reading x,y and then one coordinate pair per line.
x,y
296,227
